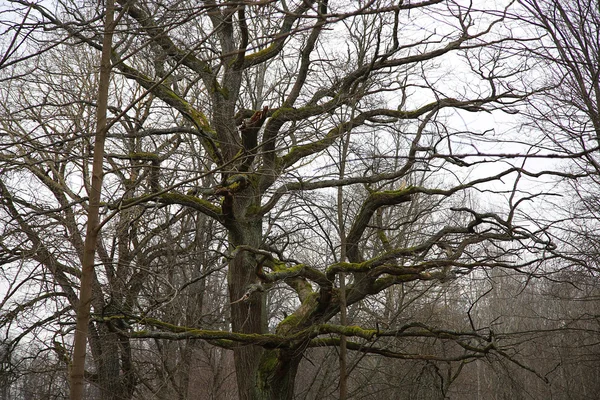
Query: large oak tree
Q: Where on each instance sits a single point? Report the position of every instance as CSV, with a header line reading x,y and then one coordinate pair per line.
x,y
275,146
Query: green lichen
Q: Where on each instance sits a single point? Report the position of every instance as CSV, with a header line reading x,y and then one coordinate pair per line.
x,y
290,320
199,118
261,53
354,330
266,368
308,148
350,331
281,111
193,201
303,312
401,190
280,266
268,361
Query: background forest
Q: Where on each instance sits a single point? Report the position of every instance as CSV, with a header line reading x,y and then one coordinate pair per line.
x,y
299,199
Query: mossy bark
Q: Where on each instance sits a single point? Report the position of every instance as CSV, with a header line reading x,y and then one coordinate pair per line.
x,y
247,316
276,374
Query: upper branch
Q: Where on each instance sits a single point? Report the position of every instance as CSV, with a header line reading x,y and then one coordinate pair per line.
x,y
278,43
159,36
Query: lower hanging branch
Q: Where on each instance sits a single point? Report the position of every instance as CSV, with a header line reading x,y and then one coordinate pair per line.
x,y
177,332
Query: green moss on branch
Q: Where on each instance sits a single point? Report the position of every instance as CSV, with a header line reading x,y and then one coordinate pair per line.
x,y
197,203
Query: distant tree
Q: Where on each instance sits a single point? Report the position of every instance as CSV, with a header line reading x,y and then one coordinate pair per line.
x,y
564,118
567,113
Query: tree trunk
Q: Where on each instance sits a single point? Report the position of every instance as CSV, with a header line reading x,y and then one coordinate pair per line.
x,y
112,358
276,374
109,377
261,374
247,316
89,251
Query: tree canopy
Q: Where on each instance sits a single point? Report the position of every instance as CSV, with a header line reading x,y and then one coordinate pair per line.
x,y
297,199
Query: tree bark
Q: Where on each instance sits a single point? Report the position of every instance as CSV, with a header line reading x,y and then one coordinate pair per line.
x,y
277,374
89,251
249,315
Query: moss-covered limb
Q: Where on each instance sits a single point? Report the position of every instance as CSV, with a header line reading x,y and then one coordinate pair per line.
x,y
131,201
286,26
385,282
300,270
347,267
236,182
281,271
370,270
346,330
329,183
424,269
197,203
372,203
386,262
367,267
159,36
466,339
414,329
177,332
174,100
377,178
301,151
301,286
165,94
372,115
295,276
381,235
285,114
301,317
305,150
224,339
468,239
137,156
290,114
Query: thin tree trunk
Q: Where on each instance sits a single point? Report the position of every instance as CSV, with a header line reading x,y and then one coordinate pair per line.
x,y
343,357
89,251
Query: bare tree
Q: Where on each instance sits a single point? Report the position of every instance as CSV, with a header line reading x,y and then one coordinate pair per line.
x,y
220,200
567,112
565,120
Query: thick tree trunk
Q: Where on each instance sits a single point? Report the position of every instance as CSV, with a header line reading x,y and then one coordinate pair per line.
x,y
276,375
247,316
112,358
261,374
109,377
